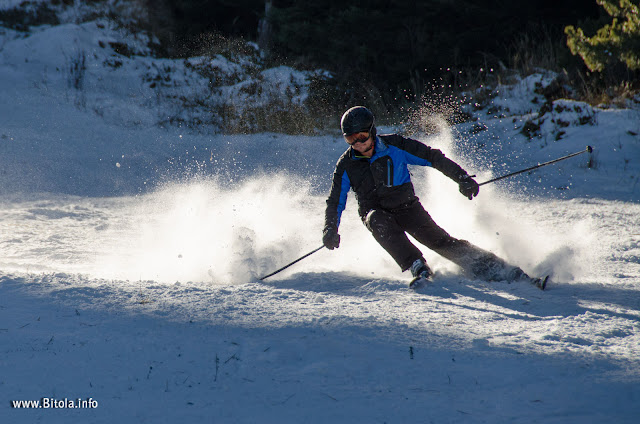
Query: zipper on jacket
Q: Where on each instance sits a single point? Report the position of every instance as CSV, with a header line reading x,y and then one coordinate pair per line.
x,y
389,172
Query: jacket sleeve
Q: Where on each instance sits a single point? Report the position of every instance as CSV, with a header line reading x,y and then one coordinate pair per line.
x,y
337,200
418,153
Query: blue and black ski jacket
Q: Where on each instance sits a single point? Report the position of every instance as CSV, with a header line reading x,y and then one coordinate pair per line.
x,y
382,181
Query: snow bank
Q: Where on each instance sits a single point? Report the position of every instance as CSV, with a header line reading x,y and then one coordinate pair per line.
x,y
105,68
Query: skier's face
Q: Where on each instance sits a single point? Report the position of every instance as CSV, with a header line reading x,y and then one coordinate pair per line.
x,y
361,142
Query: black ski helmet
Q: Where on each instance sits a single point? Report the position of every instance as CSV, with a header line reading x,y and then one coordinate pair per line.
x,y
358,119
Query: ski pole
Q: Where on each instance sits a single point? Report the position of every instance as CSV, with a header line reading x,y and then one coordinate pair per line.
x,y
540,165
288,265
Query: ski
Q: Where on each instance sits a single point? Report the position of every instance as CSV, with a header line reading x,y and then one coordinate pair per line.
x,y
420,282
417,282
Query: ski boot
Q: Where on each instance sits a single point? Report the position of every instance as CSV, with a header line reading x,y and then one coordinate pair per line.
x,y
420,272
517,274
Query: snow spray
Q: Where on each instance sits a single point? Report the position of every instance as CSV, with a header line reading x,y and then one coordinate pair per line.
x,y
238,233
212,230
202,231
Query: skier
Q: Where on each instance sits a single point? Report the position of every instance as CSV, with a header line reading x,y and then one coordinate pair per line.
x,y
375,167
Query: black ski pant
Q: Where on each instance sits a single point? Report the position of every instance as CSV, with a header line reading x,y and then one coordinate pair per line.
x,y
390,229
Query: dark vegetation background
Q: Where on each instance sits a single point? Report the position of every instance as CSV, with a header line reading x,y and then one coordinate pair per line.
x,y
391,54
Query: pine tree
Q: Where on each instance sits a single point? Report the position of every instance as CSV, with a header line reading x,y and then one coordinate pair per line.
x,y
617,41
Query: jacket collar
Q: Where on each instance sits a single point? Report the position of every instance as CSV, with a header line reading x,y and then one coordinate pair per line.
x,y
379,148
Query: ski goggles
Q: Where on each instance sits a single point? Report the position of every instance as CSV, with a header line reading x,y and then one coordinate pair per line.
x,y
362,139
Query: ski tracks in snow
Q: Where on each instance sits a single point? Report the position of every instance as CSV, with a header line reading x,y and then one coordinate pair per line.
x,y
305,343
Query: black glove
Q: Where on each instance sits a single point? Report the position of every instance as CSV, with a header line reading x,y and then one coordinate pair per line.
x,y
468,186
331,238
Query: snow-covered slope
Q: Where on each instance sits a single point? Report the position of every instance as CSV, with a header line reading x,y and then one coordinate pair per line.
x,y
128,243
517,126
